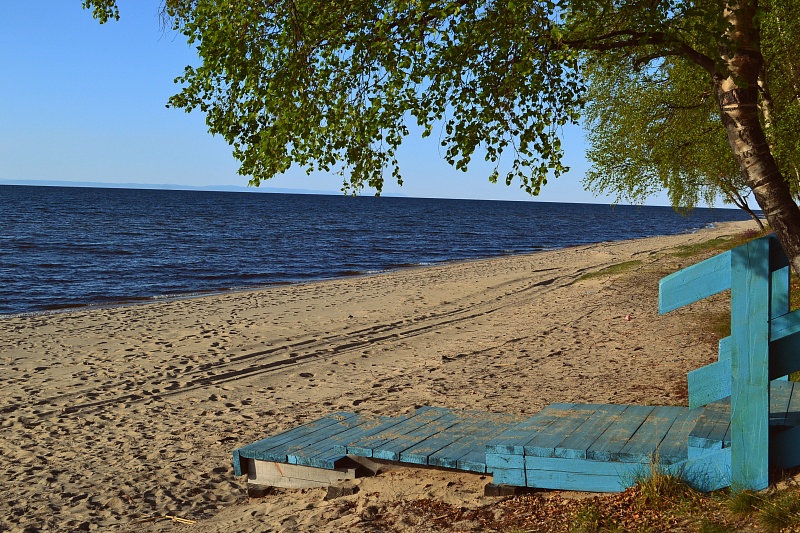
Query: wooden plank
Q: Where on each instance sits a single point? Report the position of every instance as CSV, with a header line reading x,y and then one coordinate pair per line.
x,y
474,461
513,440
709,383
613,439
587,466
364,446
261,449
366,431
750,279
694,283
779,299
575,445
582,481
543,444
643,445
391,449
504,461
785,325
420,452
314,442
784,357
324,453
514,477
449,456
708,433
673,447
272,474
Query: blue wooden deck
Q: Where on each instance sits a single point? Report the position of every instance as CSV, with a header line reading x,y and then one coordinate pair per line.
x,y
431,436
743,417
597,447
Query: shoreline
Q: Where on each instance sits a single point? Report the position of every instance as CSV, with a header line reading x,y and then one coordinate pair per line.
x,y
116,415
133,301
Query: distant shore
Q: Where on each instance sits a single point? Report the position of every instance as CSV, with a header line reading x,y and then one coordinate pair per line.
x,y
116,415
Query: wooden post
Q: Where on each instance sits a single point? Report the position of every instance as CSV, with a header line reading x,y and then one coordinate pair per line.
x,y
750,310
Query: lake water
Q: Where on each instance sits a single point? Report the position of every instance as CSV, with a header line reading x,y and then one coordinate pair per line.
x,y
63,247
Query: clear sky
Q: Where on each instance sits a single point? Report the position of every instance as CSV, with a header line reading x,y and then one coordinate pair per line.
x,y
80,101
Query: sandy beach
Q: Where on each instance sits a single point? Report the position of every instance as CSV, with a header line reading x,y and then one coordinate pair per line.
x,y
113,417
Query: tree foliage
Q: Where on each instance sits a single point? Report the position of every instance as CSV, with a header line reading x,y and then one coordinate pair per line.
x,y
656,129
332,86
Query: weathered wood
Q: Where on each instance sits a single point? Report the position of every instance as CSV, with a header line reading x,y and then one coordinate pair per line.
x,y
275,474
391,449
694,283
463,448
367,431
784,345
709,383
509,476
574,446
779,399
513,440
262,449
364,446
422,450
644,444
750,365
543,444
579,475
707,473
793,412
673,448
608,446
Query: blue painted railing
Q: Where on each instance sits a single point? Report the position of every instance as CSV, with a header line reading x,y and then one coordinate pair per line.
x,y
764,345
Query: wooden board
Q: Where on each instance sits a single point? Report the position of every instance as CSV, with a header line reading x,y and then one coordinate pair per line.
x,y
543,444
711,427
709,383
608,446
673,449
575,445
643,446
694,283
274,448
366,445
750,307
272,474
462,450
513,440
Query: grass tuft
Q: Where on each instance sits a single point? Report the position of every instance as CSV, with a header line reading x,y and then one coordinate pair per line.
x,y
586,520
618,268
720,244
658,488
781,511
743,502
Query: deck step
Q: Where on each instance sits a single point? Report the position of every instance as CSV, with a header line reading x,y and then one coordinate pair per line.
x,y
596,447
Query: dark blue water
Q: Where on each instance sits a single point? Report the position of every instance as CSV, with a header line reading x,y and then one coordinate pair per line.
x,y
70,247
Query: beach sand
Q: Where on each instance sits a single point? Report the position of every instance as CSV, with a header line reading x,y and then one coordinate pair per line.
x,y
115,416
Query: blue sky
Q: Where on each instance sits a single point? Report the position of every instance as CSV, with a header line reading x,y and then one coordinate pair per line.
x,y
80,101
